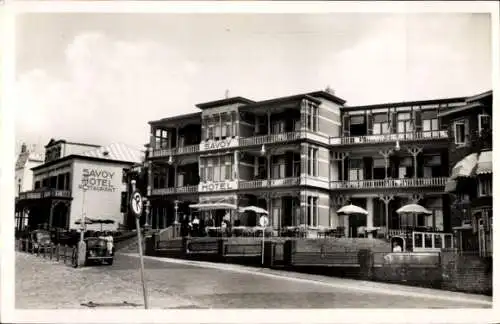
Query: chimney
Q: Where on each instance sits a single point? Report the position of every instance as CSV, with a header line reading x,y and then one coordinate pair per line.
x,y
227,94
23,148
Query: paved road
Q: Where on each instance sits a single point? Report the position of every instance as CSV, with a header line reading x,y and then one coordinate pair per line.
x,y
230,286
188,284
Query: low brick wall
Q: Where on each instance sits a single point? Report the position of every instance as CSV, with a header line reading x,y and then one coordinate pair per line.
x,y
466,273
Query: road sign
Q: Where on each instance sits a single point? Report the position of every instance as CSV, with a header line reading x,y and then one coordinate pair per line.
x,y
263,221
136,203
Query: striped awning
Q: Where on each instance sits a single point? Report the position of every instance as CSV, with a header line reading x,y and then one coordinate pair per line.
x,y
465,167
485,163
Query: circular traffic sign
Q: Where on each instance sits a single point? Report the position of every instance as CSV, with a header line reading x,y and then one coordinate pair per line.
x,y
136,203
264,221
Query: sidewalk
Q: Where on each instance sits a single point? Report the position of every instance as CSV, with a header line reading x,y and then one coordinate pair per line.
x,y
342,283
45,284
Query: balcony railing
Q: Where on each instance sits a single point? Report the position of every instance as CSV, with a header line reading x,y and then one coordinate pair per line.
x,y
175,190
47,193
389,183
255,184
382,138
268,139
176,150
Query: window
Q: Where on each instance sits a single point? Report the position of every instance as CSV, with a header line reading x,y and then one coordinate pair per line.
x,y
202,170
312,162
430,125
378,168
278,167
210,173
278,127
432,166
484,122
312,117
380,124
356,169
210,132
405,124
312,211
485,187
461,132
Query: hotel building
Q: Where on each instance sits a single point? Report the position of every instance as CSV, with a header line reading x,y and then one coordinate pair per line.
x,y
77,178
302,157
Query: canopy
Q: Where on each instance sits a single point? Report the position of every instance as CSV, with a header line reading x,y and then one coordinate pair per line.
x,y
254,209
485,163
413,208
352,209
95,221
465,167
212,206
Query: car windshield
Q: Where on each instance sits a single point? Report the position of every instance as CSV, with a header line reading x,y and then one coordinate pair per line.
x,y
42,236
95,242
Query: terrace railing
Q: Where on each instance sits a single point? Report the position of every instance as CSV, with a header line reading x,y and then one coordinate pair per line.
x,y
255,184
174,190
383,138
44,193
189,149
388,183
268,139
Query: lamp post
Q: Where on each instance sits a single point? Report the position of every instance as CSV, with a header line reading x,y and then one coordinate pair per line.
x,y
176,208
82,247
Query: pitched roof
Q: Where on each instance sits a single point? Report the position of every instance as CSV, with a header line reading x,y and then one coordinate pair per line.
x,y
116,152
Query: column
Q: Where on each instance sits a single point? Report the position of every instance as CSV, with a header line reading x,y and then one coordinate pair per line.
x,y
150,177
386,154
175,175
268,161
51,213
369,217
386,199
414,151
176,137
268,121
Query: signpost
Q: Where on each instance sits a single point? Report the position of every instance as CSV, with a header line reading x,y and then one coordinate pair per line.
x,y
136,206
263,221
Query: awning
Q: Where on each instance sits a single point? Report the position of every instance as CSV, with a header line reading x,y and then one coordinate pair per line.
x,y
213,206
485,163
465,167
451,186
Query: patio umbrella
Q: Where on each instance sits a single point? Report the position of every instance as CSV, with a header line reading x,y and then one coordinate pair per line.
x,y
352,209
413,208
103,221
87,221
254,209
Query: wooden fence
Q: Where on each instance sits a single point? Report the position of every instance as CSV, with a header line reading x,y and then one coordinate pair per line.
x,y
55,252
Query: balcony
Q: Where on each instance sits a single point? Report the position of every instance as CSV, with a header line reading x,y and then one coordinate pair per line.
x,y
176,151
385,138
174,190
268,139
47,193
389,183
271,183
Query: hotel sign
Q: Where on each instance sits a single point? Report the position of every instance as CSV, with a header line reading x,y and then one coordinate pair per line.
x,y
217,145
217,186
97,180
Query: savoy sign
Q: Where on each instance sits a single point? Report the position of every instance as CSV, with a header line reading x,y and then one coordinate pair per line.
x,y
97,180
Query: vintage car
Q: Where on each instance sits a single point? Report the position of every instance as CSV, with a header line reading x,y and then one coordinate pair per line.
x,y
39,239
97,251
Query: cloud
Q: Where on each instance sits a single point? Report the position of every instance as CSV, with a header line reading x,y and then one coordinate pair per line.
x,y
108,90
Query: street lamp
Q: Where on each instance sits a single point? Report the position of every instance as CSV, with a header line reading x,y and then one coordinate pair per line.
x,y
263,150
397,147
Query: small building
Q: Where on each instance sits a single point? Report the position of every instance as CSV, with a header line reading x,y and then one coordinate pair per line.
x,y
471,172
77,179
26,160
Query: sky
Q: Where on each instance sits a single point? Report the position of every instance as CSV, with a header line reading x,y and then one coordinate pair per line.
x,y
99,78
